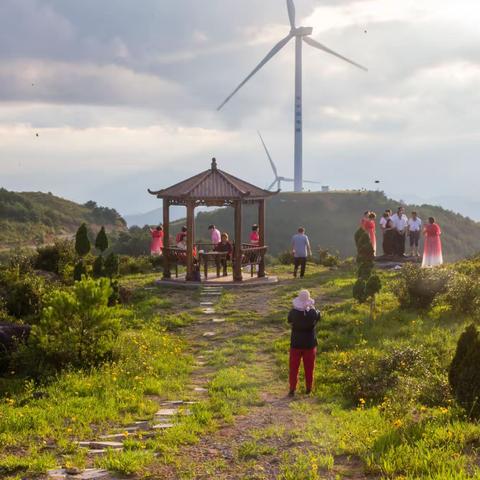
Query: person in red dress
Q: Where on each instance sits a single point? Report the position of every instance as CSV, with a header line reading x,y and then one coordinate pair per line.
x,y
370,226
364,219
156,245
432,250
255,236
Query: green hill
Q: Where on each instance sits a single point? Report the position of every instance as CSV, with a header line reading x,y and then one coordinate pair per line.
x,y
331,219
35,218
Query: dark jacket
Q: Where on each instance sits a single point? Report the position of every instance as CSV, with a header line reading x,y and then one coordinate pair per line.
x,y
303,328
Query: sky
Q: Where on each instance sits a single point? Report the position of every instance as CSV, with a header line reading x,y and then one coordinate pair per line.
x,y
123,94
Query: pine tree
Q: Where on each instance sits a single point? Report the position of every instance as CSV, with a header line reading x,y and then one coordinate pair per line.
x,y
464,374
111,266
368,283
79,270
98,268
101,242
82,243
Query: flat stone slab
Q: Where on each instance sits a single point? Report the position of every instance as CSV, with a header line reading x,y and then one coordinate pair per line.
x,y
171,402
162,426
94,452
167,412
218,320
208,311
209,334
206,304
114,436
88,474
200,389
100,444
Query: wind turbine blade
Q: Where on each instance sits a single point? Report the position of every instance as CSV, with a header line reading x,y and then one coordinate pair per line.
x,y
269,56
273,183
315,44
287,179
291,12
274,168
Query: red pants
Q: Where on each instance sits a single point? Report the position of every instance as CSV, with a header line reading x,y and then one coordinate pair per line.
x,y
296,355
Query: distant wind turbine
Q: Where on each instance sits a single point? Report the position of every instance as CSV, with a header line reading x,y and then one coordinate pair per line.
x,y
300,34
278,179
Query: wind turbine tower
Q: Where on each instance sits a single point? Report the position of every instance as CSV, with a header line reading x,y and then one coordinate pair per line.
x,y
301,34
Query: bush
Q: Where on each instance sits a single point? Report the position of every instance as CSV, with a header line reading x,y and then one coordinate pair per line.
x,y
55,258
98,268
134,265
464,373
327,259
22,294
79,271
286,258
417,288
111,267
462,294
77,327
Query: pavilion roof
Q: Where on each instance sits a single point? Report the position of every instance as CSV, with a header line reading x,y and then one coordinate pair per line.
x,y
213,184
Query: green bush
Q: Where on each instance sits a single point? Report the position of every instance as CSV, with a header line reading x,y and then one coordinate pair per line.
x,y
464,373
327,259
462,294
111,266
286,258
417,288
22,295
79,271
98,267
77,327
134,265
55,258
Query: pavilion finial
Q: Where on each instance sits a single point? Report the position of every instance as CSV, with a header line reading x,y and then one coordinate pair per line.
x,y
214,164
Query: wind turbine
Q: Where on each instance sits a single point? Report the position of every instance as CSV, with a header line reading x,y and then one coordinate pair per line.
x,y
278,179
301,34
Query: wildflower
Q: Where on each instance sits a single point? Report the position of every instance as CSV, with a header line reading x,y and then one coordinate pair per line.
x,y
397,423
443,410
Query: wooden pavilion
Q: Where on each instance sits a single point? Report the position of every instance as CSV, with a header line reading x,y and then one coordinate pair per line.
x,y
214,188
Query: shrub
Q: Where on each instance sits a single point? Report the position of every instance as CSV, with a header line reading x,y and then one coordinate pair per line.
x,y
79,271
286,258
82,243
101,242
327,259
77,327
133,265
21,260
54,258
417,288
462,294
22,294
464,373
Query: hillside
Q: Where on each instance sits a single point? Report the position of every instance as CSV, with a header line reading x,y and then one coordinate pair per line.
x,y
331,219
34,218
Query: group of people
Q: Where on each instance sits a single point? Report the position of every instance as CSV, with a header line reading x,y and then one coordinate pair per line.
x,y
397,227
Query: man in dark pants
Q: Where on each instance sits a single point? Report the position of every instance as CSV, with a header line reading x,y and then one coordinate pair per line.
x,y
301,249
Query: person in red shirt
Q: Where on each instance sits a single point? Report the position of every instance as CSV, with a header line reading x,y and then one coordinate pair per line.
x,y
156,246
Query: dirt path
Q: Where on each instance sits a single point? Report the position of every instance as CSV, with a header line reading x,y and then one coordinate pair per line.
x,y
267,437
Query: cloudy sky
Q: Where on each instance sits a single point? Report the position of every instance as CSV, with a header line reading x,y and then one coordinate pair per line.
x,y
123,95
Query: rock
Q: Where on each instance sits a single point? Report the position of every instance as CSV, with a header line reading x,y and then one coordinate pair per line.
x,y
100,444
166,412
114,436
162,426
172,402
206,304
218,320
208,311
209,334
200,389
11,334
88,474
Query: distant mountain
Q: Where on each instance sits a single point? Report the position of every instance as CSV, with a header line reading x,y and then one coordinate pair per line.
x,y
35,218
154,217
331,219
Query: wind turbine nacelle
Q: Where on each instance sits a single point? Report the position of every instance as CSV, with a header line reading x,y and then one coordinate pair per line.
x,y
302,31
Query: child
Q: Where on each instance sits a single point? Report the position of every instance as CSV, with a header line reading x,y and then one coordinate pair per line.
x,y
303,340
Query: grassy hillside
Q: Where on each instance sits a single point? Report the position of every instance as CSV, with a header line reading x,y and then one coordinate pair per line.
x,y
332,218
33,218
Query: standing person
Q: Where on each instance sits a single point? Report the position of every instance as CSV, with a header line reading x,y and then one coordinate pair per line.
x,y
156,246
389,239
225,246
255,236
301,250
383,221
414,229
364,219
303,318
432,250
181,238
215,235
370,227
400,223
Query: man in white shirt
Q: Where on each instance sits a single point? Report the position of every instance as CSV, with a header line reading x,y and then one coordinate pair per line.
x,y
385,217
414,229
400,223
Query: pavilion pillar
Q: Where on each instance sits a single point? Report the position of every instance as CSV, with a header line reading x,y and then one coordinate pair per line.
x,y
190,239
261,228
237,268
166,238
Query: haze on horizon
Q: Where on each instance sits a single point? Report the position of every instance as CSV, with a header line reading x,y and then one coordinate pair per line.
x,y
123,94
